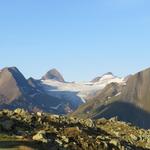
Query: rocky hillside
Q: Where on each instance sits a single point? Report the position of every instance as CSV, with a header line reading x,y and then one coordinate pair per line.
x,y
21,130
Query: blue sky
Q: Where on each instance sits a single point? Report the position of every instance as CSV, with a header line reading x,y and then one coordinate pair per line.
x,y
81,38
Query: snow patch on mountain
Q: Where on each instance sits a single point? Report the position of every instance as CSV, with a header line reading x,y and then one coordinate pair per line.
x,y
109,79
56,107
79,90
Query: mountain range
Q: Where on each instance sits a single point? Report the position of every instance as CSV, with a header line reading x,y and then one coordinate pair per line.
x,y
104,96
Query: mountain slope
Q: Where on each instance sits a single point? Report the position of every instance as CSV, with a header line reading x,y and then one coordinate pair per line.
x,y
105,96
16,91
130,102
109,94
50,94
13,85
137,90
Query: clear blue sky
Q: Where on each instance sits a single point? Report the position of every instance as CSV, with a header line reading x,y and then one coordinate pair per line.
x,y
81,38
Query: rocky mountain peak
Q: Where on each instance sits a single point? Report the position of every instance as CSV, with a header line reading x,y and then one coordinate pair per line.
x,y
108,75
53,74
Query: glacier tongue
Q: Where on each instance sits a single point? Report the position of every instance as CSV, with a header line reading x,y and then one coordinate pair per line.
x,y
78,91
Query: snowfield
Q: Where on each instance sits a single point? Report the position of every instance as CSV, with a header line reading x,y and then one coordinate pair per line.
x,y
78,90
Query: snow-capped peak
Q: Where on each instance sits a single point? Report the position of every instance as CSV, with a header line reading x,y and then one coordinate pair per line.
x,y
108,73
106,79
106,76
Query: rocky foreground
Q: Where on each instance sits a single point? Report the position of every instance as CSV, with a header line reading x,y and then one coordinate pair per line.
x,y
21,130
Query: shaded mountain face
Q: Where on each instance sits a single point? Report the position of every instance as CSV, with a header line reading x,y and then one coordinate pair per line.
x,y
53,75
130,102
16,91
124,111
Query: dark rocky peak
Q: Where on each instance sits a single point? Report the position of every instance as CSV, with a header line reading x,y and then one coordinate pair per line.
x,y
53,74
108,73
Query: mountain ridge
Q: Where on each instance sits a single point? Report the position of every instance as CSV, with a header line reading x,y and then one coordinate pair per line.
x,y
108,94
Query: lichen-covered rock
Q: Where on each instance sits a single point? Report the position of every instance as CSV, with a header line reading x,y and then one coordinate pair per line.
x,y
64,133
89,123
65,139
133,137
41,136
20,111
114,142
72,132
